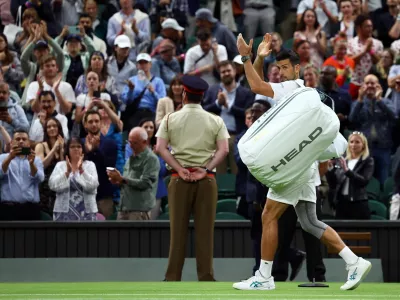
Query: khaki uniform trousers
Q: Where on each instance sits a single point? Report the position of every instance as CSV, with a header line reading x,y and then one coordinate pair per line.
x,y
200,199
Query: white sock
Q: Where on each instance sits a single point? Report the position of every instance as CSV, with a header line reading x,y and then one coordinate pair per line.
x,y
265,268
349,257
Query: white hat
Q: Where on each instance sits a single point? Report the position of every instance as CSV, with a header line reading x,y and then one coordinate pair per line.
x,y
122,41
143,56
171,23
238,59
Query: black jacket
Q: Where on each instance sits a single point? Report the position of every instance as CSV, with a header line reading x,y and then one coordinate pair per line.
x,y
359,178
244,99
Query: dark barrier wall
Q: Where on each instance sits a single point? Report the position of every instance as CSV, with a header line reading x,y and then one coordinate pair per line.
x,y
151,239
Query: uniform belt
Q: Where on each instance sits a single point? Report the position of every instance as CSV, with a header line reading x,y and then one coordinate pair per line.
x,y
260,6
13,203
176,174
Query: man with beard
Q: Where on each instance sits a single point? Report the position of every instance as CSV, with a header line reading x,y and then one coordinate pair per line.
x,y
229,100
86,22
103,152
298,194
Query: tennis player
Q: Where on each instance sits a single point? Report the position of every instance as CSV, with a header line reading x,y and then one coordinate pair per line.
x,y
288,63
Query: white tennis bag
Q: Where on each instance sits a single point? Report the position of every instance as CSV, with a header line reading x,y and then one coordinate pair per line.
x,y
284,142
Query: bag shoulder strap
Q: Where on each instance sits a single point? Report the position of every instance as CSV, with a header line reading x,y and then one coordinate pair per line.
x,y
200,58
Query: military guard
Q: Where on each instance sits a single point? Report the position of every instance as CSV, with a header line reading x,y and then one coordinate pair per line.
x,y
198,142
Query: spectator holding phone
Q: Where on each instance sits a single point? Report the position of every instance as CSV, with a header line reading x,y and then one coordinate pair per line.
x,y
21,173
51,151
75,181
83,100
76,59
12,116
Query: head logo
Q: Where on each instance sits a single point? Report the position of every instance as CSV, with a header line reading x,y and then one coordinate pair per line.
x,y
294,152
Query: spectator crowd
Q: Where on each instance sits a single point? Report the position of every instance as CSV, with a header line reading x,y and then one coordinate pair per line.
x,y
85,84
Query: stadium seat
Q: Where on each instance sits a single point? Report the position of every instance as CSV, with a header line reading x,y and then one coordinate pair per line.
x,y
288,44
45,216
228,216
387,191
226,185
164,216
346,134
226,205
378,208
373,189
113,217
354,237
256,42
376,217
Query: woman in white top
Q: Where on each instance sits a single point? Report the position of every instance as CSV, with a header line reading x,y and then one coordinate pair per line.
x,y
75,181
348,178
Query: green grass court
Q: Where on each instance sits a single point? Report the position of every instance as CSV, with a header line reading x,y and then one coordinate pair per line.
x,y
191,290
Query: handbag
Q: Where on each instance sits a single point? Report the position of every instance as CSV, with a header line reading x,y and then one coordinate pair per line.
x,y
11,30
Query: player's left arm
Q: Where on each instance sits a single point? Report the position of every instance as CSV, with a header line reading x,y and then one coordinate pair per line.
x,y
257,85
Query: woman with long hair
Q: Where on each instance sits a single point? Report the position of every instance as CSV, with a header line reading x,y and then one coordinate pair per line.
x,y
149,125
75,181
50,151
97,64
29,16
309,29
348,178
11,70
303,49
173,101
382,68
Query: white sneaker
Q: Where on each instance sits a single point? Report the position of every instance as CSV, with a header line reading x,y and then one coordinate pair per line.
x,y
357,272
257,282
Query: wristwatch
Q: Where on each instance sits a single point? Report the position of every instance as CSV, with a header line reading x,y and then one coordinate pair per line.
x,y
245,58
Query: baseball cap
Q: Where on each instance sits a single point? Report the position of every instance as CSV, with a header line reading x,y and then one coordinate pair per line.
x,y
205,14
41,44
74,37
171,23
238,59
122,41
143,56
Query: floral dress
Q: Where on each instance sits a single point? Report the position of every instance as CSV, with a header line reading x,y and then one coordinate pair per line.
x,y
76,210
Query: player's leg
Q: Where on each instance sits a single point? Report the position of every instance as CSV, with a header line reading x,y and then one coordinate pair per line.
x,y
269,243
358,267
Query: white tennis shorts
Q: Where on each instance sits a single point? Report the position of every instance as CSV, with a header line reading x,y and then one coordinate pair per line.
x,y
298,190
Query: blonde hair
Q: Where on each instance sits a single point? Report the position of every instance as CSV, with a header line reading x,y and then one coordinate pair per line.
x,y
364,152
313,68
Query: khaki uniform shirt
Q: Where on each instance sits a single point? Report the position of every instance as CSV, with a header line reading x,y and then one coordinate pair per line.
x,y
192,134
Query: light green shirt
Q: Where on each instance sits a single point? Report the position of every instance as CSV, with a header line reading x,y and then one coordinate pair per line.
x,y
192,134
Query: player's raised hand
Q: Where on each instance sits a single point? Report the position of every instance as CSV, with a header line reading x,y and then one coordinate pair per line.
x,y
264,49
242,46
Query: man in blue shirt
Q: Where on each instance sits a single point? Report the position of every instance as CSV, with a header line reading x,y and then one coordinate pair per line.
x,y
21,173
141,93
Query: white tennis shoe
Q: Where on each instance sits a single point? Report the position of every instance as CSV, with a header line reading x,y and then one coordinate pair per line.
x,y
357,272
257,282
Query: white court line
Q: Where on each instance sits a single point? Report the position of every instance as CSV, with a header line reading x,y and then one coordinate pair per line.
x,y
256,294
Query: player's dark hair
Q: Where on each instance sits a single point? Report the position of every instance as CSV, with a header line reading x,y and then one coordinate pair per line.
x,y
291,55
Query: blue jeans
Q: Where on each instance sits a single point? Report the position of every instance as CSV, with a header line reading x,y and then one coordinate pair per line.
x,y
382,163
